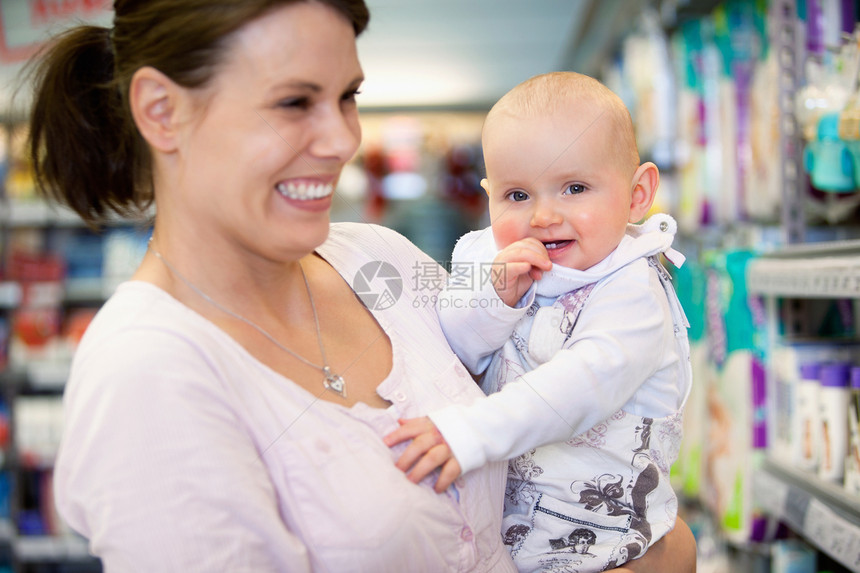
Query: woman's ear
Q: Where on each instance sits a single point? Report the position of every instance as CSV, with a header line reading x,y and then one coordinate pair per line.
x,y
155,102
645,183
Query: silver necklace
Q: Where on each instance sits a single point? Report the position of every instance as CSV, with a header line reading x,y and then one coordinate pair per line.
x,y
331,381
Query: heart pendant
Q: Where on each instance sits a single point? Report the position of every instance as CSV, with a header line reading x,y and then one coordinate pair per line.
x,y
334,382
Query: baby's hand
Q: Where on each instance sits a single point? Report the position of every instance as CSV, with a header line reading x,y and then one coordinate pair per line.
x,y
427,452
522,262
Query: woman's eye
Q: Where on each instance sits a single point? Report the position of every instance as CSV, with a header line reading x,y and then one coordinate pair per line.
x,y
574,189
518,195
298,102
350,95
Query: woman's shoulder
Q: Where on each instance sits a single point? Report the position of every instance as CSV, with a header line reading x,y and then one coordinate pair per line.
x,y
139,303
351,234
144,341
142,320
352,245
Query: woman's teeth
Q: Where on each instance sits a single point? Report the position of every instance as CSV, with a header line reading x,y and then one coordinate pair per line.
x,y
305,191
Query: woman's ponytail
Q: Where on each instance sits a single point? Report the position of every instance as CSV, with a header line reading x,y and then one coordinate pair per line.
x,y
83,144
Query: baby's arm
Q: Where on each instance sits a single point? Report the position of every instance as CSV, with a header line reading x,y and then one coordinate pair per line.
x,y
520,264
606,362
475,319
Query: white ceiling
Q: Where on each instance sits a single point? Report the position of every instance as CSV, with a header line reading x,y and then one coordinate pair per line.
x,y
462,53
467,53
455,53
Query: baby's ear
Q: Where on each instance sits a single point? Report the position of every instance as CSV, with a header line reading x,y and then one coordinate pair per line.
x,y
645,183
486,185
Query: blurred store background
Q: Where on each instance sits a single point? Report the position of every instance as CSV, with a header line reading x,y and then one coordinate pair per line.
x,y
749,108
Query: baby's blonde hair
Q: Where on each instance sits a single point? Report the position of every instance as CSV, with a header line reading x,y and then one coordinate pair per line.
x,y
544,94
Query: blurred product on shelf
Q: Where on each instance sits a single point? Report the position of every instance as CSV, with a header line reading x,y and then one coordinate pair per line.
x,y
736,394
833,413
805,444
19,183
687,471
793,556
828,159
852,460
5,331
418,173
810,295
36,322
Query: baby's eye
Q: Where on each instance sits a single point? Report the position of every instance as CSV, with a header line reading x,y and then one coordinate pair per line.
x,y
574,189
518,195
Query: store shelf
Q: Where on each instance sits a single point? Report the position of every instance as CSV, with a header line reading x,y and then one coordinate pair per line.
x,y
40,213
37,376
42,548
821,512
7,531
822,270
37,213
88,290
48,375
71,291
10,294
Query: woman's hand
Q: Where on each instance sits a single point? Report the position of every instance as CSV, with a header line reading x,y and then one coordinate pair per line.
x,y
427,452
674,553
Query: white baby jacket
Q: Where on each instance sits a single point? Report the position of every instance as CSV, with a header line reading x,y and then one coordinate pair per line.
x,y
585,398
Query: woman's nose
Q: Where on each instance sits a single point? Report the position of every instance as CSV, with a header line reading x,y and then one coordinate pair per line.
x,y
337,135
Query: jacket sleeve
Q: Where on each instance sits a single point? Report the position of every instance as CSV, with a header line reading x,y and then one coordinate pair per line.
x,y
476,322
617,344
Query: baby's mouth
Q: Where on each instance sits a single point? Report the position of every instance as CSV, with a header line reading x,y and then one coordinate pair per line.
x,y
556,244
304,191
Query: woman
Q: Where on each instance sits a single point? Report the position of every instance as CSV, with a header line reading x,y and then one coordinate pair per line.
x,y
226,407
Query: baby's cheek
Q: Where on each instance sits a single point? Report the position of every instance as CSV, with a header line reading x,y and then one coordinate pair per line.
x,y
507,230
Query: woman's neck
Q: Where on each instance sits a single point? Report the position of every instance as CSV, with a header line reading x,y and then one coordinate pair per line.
x,y
203,277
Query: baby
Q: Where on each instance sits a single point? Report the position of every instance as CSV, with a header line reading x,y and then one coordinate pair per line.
x,y
579,335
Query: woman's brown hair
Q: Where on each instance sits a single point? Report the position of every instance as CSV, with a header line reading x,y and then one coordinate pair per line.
x,y
85,148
